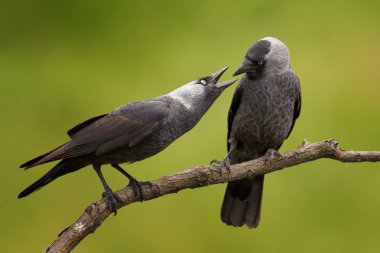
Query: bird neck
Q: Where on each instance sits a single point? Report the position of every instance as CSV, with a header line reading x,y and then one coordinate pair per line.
x,y
189,95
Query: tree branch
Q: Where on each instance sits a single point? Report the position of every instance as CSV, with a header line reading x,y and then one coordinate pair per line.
x,y
200,176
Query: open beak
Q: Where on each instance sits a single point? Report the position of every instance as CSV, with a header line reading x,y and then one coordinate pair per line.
x,y
216,76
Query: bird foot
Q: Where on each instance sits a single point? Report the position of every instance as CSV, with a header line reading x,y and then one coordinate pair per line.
x,y
271,155
137,186
225,163
113,199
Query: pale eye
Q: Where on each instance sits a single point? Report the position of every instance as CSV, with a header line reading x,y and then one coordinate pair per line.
x,y
260,63
203,82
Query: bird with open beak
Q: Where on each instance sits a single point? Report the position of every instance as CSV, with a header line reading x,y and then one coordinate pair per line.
x,y
130,133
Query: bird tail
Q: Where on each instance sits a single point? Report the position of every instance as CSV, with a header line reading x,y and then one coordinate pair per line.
x,y
242,202
63,167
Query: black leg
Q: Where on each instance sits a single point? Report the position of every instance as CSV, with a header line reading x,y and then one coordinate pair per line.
x,y
270,156
225,163
136,184
112,197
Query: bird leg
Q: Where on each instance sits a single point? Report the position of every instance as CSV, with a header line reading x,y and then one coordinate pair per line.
x,y
225,163
136,184
108,194
270,156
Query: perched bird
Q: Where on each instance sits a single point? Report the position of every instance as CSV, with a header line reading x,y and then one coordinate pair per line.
x,y
130,133
263,111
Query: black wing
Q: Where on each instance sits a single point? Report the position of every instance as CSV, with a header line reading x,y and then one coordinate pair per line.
x,y
82,125
232,111
125,127
297,102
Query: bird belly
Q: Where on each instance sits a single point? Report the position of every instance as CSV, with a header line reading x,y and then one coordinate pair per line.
x,y
262,126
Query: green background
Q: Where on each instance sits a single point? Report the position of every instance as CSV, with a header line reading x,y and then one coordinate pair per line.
x,y
62,62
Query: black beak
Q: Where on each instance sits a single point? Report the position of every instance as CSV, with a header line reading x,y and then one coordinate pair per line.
x,y
216,76
242,69
245,67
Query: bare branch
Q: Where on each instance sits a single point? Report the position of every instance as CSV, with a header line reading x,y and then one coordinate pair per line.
x,y
200,176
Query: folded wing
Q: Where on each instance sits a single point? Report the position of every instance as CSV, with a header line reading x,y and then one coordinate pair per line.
x,y
125,127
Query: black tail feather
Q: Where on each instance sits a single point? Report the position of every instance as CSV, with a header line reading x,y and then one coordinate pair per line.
x,y
242,202
62,168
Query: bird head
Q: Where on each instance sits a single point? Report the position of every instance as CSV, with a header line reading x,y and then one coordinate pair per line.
x,y
203,91
268,55
211,81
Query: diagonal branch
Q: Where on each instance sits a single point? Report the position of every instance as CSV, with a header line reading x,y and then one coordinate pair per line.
x,y
200,176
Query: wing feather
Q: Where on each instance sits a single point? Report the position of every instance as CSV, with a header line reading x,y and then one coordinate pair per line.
x,y
297,102
232,111
125,127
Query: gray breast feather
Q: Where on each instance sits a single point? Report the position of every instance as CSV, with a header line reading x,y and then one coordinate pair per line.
x,y
266,110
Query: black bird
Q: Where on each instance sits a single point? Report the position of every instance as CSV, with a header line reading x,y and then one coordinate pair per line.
x,y
130,133
263,111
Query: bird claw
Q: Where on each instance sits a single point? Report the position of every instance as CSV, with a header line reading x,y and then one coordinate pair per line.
x,y
271,155
225,163
113,199
137,187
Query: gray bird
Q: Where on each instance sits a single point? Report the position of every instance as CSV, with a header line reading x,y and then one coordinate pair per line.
x,y
130,133
263,111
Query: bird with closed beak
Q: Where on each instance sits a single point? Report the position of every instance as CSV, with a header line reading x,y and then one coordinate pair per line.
x,y
264,108
130,133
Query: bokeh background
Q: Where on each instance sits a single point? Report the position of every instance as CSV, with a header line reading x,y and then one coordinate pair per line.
x,y
62,62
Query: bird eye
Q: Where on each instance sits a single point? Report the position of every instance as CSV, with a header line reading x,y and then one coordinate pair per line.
x,y
203,82
260,63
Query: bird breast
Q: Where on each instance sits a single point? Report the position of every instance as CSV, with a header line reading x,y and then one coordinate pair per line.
x,y
265,114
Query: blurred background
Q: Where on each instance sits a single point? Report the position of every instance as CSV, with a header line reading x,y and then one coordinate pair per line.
x,y
62,62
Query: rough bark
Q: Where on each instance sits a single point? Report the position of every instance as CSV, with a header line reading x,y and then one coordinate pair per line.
x,y
200,176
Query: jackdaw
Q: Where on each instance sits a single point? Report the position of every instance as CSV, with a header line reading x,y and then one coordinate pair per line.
x,y
263,111
130,133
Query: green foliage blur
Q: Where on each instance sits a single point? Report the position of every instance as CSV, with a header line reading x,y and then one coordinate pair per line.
x,y
62,62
